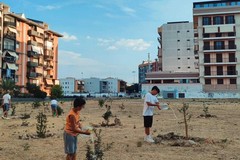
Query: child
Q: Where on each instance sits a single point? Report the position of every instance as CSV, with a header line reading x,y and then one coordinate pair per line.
x,y
73,128
149,103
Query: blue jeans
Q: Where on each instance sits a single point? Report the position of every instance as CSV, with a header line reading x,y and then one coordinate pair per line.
x,y
6,107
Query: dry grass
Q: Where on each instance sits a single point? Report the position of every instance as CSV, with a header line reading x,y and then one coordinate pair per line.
x,y
221,133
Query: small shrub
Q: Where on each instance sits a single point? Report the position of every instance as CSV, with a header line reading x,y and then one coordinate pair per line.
x,y
101,102
36,104
106,116
97,152
13,110
41,125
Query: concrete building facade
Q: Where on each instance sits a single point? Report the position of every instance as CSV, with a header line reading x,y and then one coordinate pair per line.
x,y
29,51
217,43
176,52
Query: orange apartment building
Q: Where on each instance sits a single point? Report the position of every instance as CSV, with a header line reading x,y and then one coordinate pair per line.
x,y
29,51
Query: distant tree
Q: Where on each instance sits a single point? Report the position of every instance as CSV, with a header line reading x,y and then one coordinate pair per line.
x,y
8,84
56,91
134,88
36,91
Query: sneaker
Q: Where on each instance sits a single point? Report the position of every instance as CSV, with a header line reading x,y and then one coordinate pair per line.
x,y
149,139
3,117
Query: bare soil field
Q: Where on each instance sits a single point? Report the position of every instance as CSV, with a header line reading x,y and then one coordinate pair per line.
x,y
220,134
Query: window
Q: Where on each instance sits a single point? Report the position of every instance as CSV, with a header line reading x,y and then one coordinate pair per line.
x,y
206,58
219,45
218,20
231,57
219,70
178,40
218,57
206,21
207,70
219,81
218,34
207,81
229,19
181,95
206,35
231,44
233,81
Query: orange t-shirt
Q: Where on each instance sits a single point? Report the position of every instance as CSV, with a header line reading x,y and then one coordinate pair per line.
x,y
69,127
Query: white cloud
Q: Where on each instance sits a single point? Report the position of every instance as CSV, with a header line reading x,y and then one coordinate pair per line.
x,y
128,11
68,37
72,64
133,44
48,7
112,48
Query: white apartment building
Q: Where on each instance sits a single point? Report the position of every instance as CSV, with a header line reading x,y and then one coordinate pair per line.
x,y
68,85
92,85
176,51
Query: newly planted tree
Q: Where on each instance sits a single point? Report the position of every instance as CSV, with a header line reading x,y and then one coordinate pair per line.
x,y
186,117
106,116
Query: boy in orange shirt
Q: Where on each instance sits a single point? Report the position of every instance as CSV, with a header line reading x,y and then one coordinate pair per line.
x,y
73,128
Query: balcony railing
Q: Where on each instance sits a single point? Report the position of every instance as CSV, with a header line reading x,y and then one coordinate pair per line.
x,y
223,60
221,73
33,54
34,33
32,75
32,42
32,64
219,47
9,59
9,23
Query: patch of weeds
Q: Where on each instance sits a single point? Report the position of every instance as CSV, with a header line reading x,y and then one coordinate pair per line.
x,y
26,146
36,104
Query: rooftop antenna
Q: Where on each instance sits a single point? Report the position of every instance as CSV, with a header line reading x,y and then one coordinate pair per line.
x,y
148,62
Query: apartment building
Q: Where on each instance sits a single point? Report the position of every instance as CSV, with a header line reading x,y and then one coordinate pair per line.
x,y
29,51
217,43
107,85
176,52
71,85
145,67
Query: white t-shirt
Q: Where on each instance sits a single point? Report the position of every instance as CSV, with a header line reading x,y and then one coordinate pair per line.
x,y
6,98
148,110
54,102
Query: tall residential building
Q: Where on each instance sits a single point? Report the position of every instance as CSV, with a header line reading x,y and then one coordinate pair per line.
x,y
29,51
217,42
176,51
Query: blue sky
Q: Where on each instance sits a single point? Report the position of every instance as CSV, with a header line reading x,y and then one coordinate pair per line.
x,y
104,38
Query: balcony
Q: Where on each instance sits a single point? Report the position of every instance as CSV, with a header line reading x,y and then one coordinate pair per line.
x,y
32,64
34,33
220,61
9,59
230,73
225,48
32,42
9,23
33,54
48,56
9,47
32,75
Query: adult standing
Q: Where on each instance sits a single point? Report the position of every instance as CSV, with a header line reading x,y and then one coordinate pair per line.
x,y
54,105
6,103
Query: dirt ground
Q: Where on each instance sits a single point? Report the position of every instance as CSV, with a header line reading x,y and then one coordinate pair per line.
x,y
221,133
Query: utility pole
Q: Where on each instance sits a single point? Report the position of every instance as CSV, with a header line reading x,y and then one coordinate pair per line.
x,y
149,63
